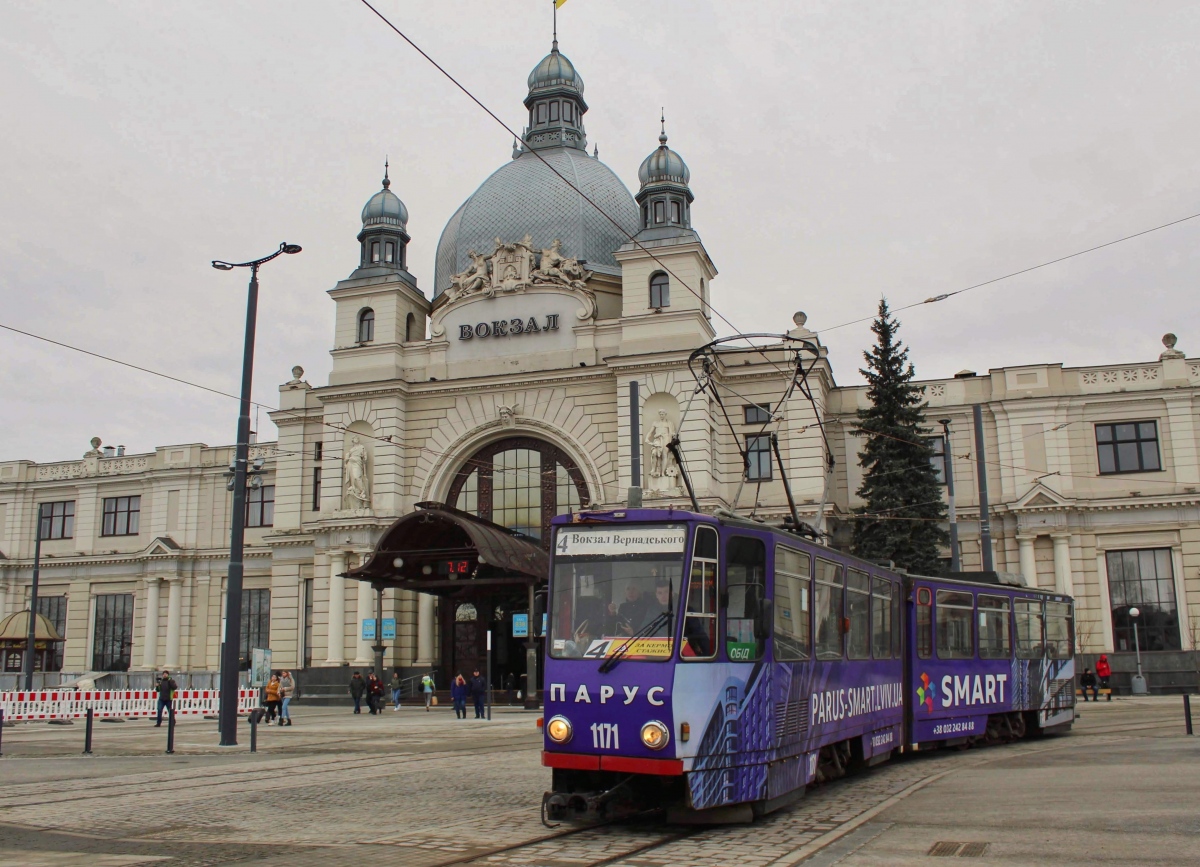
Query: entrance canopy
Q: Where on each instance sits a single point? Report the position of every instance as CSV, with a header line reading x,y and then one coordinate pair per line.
x,y
441,550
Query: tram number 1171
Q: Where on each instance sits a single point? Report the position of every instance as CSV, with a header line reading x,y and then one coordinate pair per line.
x,y
604,736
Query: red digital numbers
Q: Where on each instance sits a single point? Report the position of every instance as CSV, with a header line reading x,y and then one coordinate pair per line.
x,y
459,567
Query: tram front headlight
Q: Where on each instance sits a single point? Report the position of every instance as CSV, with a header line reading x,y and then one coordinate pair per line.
x,y
655,735
559,729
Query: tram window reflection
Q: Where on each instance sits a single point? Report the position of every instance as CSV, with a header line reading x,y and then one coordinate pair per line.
x,y
1058,630
881,618
924,623
858,612
793,639
746,589
955,616
995,630
1028,615
827,609
700,619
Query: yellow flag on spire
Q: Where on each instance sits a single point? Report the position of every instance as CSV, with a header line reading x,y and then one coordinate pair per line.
x,y
558,3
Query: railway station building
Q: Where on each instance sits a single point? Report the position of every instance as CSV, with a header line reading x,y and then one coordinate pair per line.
x,y
541,368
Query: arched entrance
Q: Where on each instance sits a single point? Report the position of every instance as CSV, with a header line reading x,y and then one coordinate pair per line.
x,y
519,483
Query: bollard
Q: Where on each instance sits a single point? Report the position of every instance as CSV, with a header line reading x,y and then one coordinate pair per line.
x,y
1187,712
253,732
171,731
87,734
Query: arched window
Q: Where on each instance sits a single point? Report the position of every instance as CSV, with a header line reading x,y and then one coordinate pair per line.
x,y
366,325
520,483
660,290
645,216
410,326
374,251
389,251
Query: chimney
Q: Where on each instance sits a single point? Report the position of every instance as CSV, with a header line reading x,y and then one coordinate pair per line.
x,y
253,437
120,451
109,451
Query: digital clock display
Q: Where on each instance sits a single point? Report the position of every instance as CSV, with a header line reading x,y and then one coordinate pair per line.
x,y
455,568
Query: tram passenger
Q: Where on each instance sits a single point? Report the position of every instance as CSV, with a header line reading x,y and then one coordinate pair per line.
x,y
661,605
630,612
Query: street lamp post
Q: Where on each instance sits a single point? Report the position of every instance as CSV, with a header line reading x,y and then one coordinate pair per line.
x,y
31,636
1137,683
237,534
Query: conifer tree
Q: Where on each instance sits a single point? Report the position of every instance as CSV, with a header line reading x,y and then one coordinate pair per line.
x,y
900,486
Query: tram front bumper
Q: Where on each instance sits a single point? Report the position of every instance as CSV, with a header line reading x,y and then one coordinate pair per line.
x,y
621,764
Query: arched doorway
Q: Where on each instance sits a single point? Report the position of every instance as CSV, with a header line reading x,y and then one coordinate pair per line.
x,y
519,483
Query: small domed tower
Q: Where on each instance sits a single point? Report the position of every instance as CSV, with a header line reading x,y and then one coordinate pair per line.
x,y
665,197
555,104
384,236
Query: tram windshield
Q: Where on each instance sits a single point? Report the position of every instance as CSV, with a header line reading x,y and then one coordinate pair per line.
x,y
614,588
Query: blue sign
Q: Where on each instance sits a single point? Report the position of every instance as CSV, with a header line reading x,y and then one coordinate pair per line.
x,y
389,628
368,629
520,626
543,624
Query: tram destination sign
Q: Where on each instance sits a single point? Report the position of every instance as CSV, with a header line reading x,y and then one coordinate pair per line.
x,y
622,541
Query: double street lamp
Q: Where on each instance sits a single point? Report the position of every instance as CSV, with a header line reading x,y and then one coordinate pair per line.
x,y
230,655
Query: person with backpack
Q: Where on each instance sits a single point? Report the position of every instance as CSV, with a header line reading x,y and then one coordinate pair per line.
x,y
166,695
358,686
427,689
459,692
1104,672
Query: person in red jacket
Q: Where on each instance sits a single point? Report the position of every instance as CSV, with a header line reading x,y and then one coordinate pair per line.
x,y
1104,672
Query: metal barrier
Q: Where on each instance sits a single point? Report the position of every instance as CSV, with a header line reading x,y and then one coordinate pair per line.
x,y
51,704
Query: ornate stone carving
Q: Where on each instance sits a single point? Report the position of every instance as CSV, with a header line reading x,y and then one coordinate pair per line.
x,y
661,471
510,268
1169,340
356,479
508,415
555,268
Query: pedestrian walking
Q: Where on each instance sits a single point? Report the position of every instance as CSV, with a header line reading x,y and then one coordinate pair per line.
x,y
427,689
272,696
510,683
374,694
287,687
1104,672
358,687
1088,681
458,693
397,687
478,688
166,689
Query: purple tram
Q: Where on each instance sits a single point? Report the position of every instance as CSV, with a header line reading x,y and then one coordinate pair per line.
x,y
716,666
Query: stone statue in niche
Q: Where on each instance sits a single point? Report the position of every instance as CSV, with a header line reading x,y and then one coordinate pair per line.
x,y
356,480
508,415
663,475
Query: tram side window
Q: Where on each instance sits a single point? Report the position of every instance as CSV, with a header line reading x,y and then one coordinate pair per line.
x,y
700,619
955,625
827,610
995,628
1058,630
746,592
881,618
858,612
793,580
1029,628
924,622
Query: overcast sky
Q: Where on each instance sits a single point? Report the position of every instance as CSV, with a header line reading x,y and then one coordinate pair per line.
x,y
839,151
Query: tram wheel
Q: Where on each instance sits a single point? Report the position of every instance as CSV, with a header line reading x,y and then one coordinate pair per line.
x,y
1018,725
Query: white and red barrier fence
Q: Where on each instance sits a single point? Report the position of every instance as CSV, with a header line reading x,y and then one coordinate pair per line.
x,y
48,704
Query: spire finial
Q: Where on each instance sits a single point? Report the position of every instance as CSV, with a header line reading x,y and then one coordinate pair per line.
x,y
554,46
386,181
662,119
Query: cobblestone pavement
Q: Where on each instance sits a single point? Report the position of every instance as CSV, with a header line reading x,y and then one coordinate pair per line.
x,y
410,789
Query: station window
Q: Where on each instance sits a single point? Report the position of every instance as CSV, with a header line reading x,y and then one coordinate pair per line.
x,y
1028,615
121,516
660,290
675,212
758,457
374,251
1058,630
756,413
700,619
881,618
568,112
553,112
659,216
1128,448
793,583
541,112
318,451
995,628
746,592
366,325
858,613
924,623
57,520
389,251
827,609
955,625
260,506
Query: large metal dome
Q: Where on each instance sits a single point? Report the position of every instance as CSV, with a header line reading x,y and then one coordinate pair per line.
x,y
525,197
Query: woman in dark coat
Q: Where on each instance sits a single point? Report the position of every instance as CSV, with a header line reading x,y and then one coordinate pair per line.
x,y
459,692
